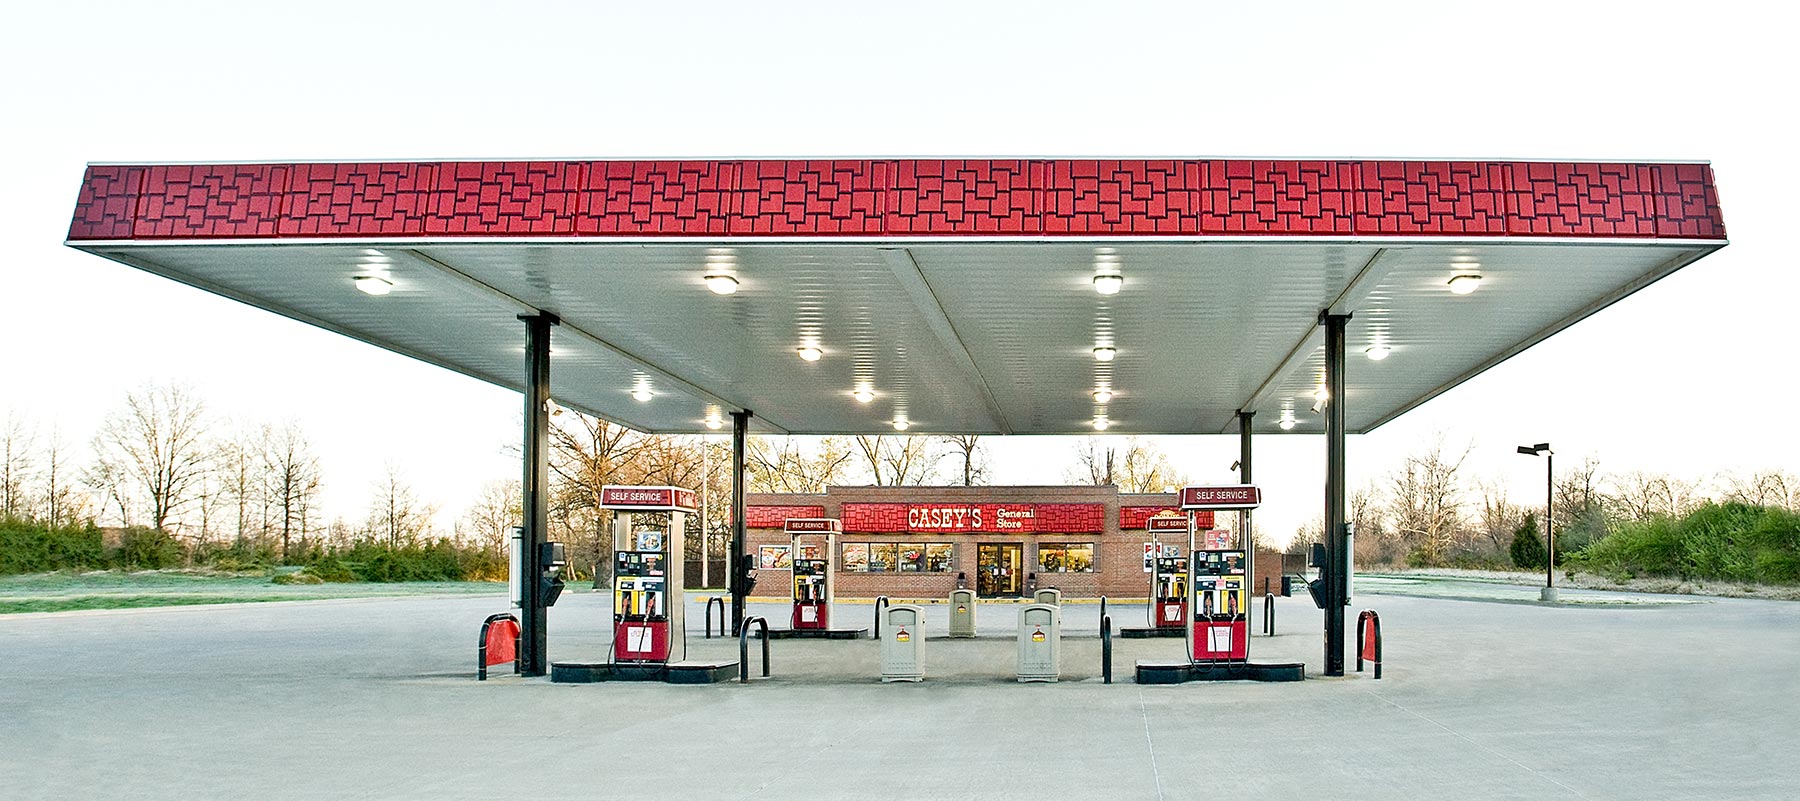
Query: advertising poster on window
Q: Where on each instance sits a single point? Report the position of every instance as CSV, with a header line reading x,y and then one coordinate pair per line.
x,y
856,557
774,557
881,558
937,558
912,557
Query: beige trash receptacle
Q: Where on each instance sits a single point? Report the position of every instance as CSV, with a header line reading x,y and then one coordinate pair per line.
x,y
902,630
962,613
1040,643
1049,596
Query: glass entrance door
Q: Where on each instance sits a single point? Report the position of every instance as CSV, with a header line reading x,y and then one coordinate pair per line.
x,y
998,569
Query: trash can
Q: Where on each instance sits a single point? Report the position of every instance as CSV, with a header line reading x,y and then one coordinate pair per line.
x,y
962,613
901,632
1048,595
1040,643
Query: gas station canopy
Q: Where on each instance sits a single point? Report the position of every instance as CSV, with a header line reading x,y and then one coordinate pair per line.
x,y
931,296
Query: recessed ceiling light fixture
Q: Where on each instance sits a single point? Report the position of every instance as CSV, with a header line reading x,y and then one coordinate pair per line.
x,y
810,353
1101,423
642,394
721,271
1377,352
373,284
1104,354
1107,279
714,423
863,394
721,283
900,424
1465,283
1287,423
1102,395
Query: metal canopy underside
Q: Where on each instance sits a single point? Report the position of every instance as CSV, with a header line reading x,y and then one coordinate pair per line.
x,y
981,337
954,328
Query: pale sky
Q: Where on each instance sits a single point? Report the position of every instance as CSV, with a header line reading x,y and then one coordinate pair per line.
x,y
1687,377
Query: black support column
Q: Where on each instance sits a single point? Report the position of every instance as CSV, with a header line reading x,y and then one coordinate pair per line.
x,y
534,634
1244,474
1337,545
740,574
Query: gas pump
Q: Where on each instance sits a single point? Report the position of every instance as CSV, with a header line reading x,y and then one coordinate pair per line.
x,y
1168,577
812,541
648,554
1218,575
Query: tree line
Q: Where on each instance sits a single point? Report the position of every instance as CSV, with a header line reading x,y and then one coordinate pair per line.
x,y
1430,512
163,461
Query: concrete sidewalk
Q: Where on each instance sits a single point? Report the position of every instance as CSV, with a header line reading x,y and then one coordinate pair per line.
x,y
376,700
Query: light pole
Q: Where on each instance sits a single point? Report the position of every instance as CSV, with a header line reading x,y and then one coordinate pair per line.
x,y
1549,593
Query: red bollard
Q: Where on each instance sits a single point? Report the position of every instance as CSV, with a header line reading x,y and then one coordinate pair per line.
x,y
1368,640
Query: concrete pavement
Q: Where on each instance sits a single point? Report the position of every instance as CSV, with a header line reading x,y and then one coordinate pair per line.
x,y
376,699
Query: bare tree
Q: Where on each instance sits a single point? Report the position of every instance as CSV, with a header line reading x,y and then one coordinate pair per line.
x,y
237,465
1764,488
781,464
1425,502
1500,517
497,508
1131,464
395,513
1095,460
898,461
1581,508
156,442
107,480
1639,495
967,449
292,478
63,506
16,443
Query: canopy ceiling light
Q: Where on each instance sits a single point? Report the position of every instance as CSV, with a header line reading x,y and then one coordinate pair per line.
x,y
1465,283
1104,354
714,423
373,284
1107,280
1287,423
1102,395
900,424
721,271
721,283
810,353
863,395
1377,352
1100,424
642,394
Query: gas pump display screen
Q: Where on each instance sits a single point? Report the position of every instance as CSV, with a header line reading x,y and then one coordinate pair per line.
x,y
637,563
1218,583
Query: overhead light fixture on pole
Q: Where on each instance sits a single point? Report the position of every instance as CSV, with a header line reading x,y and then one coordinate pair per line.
x,y
1543,448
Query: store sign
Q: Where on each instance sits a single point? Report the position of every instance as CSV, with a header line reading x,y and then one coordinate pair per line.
x,y
974,518
812,525
1235,496
648,499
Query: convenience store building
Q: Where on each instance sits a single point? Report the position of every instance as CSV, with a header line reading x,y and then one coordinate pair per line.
x,y
914,542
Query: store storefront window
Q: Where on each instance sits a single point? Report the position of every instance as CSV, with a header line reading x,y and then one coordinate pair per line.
x,y
881,558
912,557
905,557
937,557
1066,557
856,557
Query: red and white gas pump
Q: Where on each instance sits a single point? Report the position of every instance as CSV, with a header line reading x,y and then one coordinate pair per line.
x,y
648,561
1168,571
1219,575
811,542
